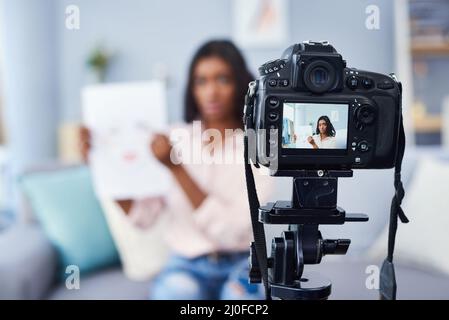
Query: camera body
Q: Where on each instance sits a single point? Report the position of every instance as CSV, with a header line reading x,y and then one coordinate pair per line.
x,y
316,113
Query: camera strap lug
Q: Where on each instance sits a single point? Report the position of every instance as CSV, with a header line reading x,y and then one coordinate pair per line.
x,y
248,111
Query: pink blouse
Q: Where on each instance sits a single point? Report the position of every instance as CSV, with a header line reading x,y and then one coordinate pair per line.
x,y
222,222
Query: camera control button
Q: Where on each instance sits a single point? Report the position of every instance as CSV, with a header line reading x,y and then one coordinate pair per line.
x,y
273,116
352,82
271,66
365,114
367,83
363,146
272,83
283,83
273,102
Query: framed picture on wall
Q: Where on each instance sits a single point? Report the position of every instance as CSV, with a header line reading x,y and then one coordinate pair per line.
x,y
260,23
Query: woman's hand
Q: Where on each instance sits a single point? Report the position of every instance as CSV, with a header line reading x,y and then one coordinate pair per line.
x,y
161,147
312,142
85,143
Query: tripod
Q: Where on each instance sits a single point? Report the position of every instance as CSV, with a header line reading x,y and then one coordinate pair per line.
x,y
314,202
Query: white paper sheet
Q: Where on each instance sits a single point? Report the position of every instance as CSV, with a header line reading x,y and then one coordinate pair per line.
x,y
122,118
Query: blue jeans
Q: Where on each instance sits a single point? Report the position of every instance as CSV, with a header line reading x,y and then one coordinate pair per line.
x,y
205,278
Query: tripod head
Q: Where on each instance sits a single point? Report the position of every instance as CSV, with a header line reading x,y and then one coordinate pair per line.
x,y
314,202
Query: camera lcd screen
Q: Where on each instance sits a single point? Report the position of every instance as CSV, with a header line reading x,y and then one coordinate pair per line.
x,y
315,126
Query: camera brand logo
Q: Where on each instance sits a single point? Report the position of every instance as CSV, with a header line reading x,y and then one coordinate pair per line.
x,y
72,17
372,21
372,280
72,282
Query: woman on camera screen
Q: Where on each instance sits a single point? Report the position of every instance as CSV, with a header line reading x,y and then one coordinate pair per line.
x,y
324,137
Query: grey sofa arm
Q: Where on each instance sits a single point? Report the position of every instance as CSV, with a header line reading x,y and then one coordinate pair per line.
x,y
27,263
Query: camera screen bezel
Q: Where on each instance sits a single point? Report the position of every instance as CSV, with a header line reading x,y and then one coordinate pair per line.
x,y
315,152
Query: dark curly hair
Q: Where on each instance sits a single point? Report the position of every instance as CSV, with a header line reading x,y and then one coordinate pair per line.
x,y
227,51
330,131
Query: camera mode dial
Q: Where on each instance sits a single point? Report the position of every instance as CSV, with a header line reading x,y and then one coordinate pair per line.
x,y
271,66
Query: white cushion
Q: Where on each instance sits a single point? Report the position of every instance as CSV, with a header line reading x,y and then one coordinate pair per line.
x,y
143,252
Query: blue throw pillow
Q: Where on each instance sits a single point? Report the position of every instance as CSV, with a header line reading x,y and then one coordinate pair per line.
x,y
71,216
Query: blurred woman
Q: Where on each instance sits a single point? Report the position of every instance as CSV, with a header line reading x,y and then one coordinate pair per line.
x,y
324,137
210,228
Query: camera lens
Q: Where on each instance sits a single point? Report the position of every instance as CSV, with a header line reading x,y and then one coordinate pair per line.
x,y
319,76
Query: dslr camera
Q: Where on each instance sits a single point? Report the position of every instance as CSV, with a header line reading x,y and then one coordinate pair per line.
x,y
317,113
311,117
